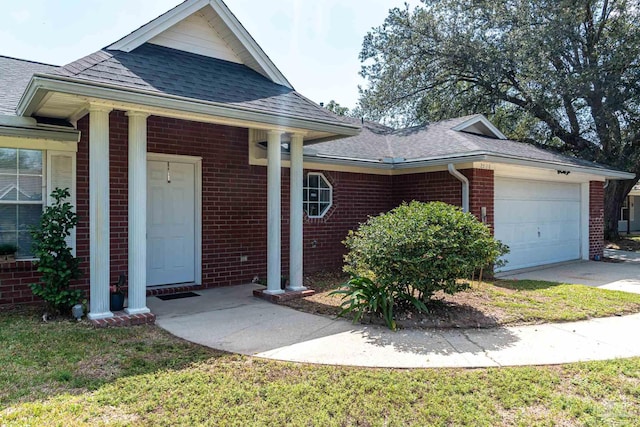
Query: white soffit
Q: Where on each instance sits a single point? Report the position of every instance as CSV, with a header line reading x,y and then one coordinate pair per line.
x,y
480,125
184,28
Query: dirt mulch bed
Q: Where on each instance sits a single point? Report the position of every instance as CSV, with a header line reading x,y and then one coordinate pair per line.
x,y
625,244
462,310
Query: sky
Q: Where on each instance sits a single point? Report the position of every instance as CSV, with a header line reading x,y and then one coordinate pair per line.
x,y
315,44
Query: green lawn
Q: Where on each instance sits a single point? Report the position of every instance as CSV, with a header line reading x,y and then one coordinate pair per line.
x,y
527,301
491,303
63,373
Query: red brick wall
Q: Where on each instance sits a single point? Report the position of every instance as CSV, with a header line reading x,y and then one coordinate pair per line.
x,y
234,206
233,196
596,219
14,283
442,186
481,191
427,187
355,198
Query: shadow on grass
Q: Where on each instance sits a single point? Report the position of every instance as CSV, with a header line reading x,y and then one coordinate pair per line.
x,y
47,359
524,285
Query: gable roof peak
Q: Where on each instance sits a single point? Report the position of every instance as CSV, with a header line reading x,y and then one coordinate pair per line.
x,y
237,37
478,124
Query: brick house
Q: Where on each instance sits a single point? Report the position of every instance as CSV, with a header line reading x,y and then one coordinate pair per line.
x,y
192,160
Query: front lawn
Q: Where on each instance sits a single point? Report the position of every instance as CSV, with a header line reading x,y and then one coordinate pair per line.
x,y
63,373
490,303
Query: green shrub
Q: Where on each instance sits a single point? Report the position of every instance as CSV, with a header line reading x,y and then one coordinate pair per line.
x,y
56,263
8,249
418,249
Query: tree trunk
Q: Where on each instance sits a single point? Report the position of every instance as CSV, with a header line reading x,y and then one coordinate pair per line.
x,y
614,196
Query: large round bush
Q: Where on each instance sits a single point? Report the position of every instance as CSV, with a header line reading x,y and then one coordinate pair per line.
x,y
420,248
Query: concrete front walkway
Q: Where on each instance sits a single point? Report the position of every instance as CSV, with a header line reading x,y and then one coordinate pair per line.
x,y
231,319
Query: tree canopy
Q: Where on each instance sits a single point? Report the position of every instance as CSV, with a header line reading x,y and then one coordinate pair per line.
x,y
563,73
338,109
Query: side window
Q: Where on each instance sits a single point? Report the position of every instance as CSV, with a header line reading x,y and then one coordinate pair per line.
x,y
21,196
317,196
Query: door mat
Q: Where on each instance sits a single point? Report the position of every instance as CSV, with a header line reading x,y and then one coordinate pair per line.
x,y
177,296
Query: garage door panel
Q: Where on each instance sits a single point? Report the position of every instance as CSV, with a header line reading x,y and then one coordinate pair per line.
x,y
537,190
539,221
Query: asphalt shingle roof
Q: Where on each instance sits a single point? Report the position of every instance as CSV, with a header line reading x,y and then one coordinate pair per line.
x,y
433,141
168,71
14,78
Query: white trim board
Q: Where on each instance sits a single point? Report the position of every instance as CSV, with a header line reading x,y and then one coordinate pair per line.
x,y
471,126
197,162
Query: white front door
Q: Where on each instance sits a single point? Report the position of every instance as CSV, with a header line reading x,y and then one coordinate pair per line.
x,y
538,220
170,223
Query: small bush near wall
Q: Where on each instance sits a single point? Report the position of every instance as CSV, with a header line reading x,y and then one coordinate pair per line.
x,y
418,249
55,262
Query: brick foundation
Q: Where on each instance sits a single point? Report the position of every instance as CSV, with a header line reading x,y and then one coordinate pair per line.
x,y
287,296
121,318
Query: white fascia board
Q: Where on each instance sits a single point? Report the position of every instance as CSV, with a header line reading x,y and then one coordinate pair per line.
x,y
344,161
249,43
40,85
492,158
44,134
512,160
482,119
605,173
158,25
16,121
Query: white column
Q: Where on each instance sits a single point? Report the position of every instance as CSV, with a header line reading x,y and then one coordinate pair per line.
x,y
99,212
296,215
137,303
274,140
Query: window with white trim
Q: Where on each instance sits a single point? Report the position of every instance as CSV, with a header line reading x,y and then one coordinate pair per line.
x,y
21,200
26,177
317,195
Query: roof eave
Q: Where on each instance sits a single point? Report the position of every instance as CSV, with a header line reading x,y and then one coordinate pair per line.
x,y
46,134
41,84
476,157
514,160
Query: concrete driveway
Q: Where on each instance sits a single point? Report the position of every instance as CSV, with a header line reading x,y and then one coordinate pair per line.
x,y
620,276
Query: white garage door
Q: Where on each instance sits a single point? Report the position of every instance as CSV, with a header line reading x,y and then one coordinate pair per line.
x,y
539,221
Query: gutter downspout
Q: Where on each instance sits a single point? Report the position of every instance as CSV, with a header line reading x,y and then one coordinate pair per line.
x,y
465,186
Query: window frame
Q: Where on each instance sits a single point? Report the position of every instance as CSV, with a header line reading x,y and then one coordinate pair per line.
x,y
43,200
624,209
49,148
306,188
